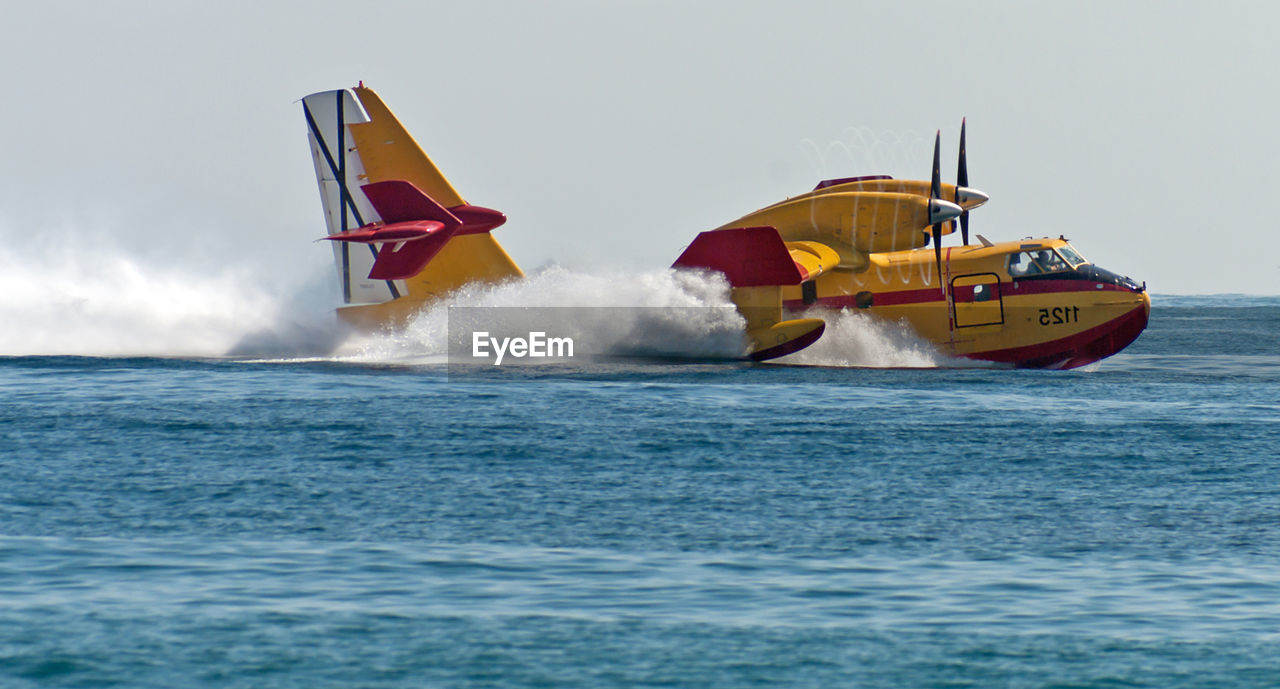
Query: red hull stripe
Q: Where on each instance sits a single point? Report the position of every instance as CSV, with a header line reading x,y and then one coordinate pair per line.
x,y
909,296
1048,286
962,294
1076,350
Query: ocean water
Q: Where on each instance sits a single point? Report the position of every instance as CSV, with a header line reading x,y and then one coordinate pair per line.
x,y
868,514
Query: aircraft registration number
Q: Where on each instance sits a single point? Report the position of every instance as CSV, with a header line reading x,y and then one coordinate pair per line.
x,y
1060,314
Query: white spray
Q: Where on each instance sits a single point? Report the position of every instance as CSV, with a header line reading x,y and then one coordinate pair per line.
x,y
64,297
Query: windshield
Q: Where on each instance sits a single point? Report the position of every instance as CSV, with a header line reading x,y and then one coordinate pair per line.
x,y
1036,263
1073,257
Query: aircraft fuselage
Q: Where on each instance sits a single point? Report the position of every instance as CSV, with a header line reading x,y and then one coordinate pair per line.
x,y
1030,303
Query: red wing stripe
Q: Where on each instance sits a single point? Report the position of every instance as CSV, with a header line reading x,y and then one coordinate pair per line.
x,y
965,294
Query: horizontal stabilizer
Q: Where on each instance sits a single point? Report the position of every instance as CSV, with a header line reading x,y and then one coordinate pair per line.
x,y
412,245
748,256
384,234
406,259
399,201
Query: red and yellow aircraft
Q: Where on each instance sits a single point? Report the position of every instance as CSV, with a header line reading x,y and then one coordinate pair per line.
x,y
1034,303
853,243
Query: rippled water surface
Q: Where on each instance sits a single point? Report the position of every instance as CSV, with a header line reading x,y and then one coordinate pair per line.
x,y
325,522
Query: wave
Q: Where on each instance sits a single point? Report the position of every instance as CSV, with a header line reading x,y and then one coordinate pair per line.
x,y
854,339
85,299
102,300
660,313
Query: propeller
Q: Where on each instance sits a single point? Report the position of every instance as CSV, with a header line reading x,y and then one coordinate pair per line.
x,y
962,180
964,194
940,211
935,190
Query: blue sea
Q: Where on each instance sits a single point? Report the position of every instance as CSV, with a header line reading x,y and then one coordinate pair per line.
x,y
317,521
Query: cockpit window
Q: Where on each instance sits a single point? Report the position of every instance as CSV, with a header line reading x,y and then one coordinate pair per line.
x,y
1072,256
1036,263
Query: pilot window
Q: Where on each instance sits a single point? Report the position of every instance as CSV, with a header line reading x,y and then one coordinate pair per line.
x,y
1073,257
1036,263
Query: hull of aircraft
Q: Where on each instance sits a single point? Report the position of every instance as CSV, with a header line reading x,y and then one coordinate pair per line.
x,y
1061,320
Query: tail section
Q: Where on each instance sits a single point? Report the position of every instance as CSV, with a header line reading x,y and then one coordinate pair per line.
x,y
372,176
757,264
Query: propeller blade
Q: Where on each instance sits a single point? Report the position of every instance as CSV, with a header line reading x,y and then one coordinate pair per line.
x,y
935,188
962,180
935,191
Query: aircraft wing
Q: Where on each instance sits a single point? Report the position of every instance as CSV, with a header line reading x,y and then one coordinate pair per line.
x,y
757,264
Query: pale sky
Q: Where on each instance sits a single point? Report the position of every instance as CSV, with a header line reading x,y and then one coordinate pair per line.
x,y
610,133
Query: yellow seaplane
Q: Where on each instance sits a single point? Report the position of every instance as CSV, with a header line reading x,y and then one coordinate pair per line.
x,y
855,243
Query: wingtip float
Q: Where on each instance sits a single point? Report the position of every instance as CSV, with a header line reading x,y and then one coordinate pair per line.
x,y
855,242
